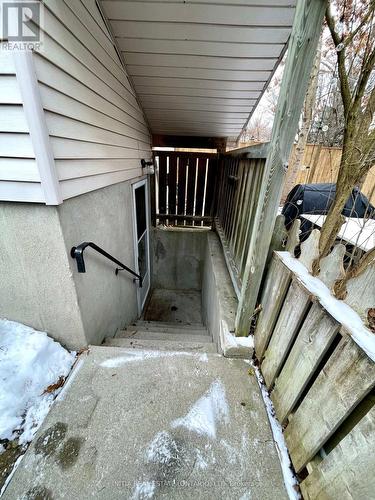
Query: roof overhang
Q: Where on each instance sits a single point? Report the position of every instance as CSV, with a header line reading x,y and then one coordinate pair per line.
x,y
199,68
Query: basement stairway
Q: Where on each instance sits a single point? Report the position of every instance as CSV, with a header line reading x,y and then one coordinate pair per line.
x,y
157,335
172,321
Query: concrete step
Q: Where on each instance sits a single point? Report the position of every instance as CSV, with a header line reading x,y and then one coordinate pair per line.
x,y
180,336
161,345
171,330
153,425
160,324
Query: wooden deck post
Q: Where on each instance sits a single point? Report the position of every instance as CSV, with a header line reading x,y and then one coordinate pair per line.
x,y
301,54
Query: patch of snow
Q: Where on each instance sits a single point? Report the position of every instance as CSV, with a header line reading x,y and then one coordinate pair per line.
x,y
246,496
205,414
203,357
162,449
30,361
342,313
200,462
246,341
290,479
137,356
143,490
232,345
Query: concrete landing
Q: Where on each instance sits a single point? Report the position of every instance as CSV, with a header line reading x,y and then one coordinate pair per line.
x,y
136,424
175,306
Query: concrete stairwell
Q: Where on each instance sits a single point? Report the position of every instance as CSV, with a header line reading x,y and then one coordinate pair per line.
x,y
157,335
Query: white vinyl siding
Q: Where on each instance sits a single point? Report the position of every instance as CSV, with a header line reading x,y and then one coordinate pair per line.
x,y
19,175
97,129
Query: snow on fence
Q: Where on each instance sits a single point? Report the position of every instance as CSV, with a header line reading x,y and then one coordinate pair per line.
x,y
317,357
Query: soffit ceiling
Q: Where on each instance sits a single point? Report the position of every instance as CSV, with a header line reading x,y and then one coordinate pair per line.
x,y
200,67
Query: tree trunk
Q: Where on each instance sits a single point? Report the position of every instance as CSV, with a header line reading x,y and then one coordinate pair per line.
x,y
349,174
307,115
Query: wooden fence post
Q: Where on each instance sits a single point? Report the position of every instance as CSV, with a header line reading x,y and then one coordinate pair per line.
x,y
301,54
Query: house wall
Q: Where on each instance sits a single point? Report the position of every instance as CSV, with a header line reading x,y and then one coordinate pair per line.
x,y
37,287
40,283
96,137
106,301
19,175
97,131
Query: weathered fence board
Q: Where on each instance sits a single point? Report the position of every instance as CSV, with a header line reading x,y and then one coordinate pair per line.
x,y
181,191
316,335
162,184
361,293
201,180
172,180
238,196
347,377
191,173
319,365
348,471
288,323
272,298
185,191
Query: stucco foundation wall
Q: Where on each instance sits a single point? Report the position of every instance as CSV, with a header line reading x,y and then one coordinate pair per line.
x,y
177,258
37,287
106,301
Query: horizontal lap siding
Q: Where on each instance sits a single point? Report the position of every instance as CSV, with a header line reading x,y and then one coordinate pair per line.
x,y
19,175
97,129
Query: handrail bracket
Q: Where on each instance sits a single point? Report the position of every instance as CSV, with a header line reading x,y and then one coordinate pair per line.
x,y
77,254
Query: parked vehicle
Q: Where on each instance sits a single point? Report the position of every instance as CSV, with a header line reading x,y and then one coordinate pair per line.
x,y
317,199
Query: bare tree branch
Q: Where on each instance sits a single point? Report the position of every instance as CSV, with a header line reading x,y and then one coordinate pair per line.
x,y
344,83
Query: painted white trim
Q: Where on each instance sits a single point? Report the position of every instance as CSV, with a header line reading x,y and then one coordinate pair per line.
x,y
35,117
134,186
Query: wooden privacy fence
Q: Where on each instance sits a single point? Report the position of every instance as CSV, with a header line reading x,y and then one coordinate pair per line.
x,y
239,183
317,355
184,188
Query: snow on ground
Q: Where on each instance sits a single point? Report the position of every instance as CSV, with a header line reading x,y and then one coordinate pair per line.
x,y
143,490
30,362
343,313
290,479
162,448
204,415
143,355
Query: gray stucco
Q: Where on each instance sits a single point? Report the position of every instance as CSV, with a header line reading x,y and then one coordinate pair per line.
x,y
40,283
178,257
107,302
37,287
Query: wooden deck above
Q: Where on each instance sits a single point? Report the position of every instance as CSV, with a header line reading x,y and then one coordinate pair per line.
x,y
200,68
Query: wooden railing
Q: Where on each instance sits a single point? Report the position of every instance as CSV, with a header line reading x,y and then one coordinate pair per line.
x,y
184,188
316,355
241,174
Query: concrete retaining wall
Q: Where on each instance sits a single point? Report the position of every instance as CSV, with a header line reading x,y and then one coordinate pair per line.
x,y
219,299
178,257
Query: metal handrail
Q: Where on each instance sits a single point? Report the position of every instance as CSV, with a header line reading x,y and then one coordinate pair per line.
x,y
77,253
